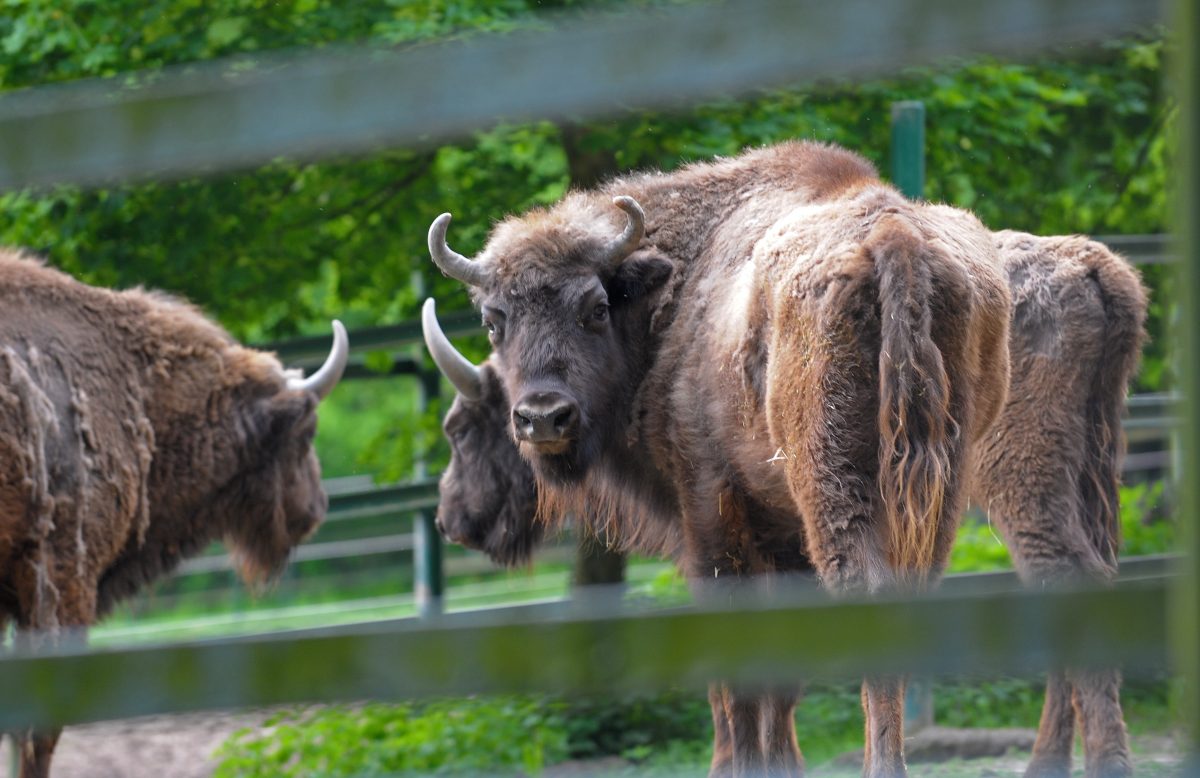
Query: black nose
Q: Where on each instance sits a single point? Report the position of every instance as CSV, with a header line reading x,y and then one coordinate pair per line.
x,y
545,417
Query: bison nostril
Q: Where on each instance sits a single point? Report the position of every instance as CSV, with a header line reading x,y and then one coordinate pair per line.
x,y
564,419
523,421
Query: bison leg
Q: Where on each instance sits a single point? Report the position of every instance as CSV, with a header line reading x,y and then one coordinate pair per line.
x,y
780,749
884,752
743,711
722,758
36,750
763,724
1056,731
1098,710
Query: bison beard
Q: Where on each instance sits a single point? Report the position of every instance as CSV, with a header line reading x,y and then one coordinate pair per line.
x,y
133,432
1041,272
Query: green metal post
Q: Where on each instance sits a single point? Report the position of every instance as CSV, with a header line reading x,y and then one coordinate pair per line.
x,y
1185,624
908,174
908,147
427,541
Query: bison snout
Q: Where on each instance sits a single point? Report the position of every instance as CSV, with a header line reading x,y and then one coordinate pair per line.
x,y
545,417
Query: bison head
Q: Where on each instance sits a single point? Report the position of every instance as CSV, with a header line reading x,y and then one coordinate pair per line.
x,y
562,293
488,497
276,500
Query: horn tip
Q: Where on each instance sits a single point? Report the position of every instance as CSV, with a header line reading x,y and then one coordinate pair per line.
x,y
627,204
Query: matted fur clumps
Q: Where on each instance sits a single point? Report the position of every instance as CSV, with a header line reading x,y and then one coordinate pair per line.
x,y
133,432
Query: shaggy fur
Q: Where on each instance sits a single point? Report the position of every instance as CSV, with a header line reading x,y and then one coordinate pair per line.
x,y
1048,476
1090,303
861,307
134,431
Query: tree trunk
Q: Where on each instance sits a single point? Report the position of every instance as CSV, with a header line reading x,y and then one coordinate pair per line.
x,y
595,563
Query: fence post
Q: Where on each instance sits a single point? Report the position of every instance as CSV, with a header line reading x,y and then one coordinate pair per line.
x,y
1185,592
429,585
908,174
596,564
908,147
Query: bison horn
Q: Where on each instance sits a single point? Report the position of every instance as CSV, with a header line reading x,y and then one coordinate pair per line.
x,y
635,230
322,382
455,366
449,261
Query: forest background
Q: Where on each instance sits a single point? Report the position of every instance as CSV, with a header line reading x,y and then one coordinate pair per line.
x,y
1077,141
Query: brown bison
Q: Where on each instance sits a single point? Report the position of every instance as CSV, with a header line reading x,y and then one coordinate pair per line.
x,y
1048,478
134,431
779,350
783,300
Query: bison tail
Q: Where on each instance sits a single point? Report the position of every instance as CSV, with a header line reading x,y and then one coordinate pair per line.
x,y
1124,301
918,435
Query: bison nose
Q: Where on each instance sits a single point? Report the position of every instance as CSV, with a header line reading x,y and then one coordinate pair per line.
x,y
545,417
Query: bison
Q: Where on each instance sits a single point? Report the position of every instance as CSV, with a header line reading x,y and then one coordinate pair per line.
x,y
778,349
133,432
1048,477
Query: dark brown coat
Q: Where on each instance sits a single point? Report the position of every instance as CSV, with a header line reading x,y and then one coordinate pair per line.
x,y
134,431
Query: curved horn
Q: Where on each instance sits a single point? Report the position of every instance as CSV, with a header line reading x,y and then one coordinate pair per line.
x,y
327,376
455,366
635,230
449,261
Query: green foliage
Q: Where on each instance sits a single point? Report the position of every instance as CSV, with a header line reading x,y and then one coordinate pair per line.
x,y
657,734
634,726
1145,529
668,587
1078,143
978,547
499,736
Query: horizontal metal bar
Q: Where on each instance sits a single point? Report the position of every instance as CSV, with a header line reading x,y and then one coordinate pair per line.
x,y
236,114
334,549
1151,249
1146,460
761,639
311,350
1163,400
383,500
1151,423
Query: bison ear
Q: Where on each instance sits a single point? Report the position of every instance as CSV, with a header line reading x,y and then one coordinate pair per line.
x,y
284,412
639,275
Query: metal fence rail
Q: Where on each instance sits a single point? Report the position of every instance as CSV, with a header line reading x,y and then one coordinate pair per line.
x,y
214,116
767,637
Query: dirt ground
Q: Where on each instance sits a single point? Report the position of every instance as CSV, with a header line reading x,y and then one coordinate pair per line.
x,y
178,746
181,746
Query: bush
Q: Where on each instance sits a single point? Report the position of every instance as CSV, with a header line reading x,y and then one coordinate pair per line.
x,y
500,735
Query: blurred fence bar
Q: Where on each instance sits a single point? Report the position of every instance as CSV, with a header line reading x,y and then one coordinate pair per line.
x,y
763,638
1185,612
221,116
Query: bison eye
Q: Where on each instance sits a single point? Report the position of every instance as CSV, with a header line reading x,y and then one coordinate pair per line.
x,y
600,313
493,328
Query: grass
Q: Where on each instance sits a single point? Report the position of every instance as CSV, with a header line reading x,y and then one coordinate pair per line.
x,y
655,735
